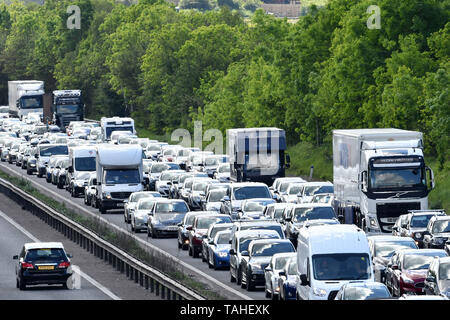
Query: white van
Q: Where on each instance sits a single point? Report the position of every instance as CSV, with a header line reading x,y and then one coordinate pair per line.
x,y
82,161
328,256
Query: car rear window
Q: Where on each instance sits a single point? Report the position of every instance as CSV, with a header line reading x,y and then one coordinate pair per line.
x,y
45,254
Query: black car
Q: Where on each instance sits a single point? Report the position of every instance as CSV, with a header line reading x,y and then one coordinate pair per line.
x,y
260,253
42,263
165,216
31,165
437,233
183,233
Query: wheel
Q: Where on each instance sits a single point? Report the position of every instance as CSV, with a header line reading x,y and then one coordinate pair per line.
x,y
179,244
102,210
267,294
64,286
22,285
190,251
239,277
203,257
154,236
132,227
195,253
29,172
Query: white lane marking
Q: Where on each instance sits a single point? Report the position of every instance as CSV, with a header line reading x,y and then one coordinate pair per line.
x,y
187,265
84,275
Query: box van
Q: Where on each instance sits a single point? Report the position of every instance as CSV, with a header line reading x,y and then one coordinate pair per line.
x,y
328,256
81,165
119,173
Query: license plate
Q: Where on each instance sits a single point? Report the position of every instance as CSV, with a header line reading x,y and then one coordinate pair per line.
x,y
120,205
172,228
46,267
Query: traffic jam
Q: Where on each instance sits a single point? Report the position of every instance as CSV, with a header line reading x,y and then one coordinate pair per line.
x,y
367,235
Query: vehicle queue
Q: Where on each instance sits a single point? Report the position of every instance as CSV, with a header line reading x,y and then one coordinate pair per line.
x,y
285,238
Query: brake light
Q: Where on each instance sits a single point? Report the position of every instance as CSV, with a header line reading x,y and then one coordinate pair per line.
x,y
64,264
26,265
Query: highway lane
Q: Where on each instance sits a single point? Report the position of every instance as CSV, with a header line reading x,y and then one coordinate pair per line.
x,y
11,243
116,217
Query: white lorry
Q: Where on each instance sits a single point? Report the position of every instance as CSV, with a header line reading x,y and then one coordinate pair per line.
x,y
379,174
119,173
81,164
329,256
257,154
25,96
109,125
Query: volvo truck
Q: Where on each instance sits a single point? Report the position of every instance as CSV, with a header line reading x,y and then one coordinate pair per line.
x,y
257,154
378,175
119,173
25,96
63,106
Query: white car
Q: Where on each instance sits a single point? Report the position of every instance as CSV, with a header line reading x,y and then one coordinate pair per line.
x,y
311,188
132,201
139,216
222,172
290,196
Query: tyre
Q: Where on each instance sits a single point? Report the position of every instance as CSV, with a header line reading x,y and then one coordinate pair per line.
x,y
239,277
22,285
102,210
190,251
29,172
267,293
195,253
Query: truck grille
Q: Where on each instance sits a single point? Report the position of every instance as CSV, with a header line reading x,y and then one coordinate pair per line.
x,y
120,195
393,210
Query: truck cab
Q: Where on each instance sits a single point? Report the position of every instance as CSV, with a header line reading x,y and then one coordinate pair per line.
x,y
67,106
25,96
257,154
119,173
379,174
109,125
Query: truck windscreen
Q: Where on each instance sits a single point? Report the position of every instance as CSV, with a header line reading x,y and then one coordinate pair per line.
x,y
85,164
110,130
31,102
397,178
122,176
67,108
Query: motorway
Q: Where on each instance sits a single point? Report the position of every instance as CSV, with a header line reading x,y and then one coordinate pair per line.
x,y
116,217
98,279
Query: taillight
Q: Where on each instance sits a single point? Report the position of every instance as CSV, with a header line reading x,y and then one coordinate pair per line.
x,y
26,265
64,265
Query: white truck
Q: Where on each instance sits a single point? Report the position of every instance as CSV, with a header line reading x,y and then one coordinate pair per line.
x,y
109,125
379,174
119,173
82,164
257,154
25,96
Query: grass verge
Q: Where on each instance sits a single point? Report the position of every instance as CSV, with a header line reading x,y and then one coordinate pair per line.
x,y
118,239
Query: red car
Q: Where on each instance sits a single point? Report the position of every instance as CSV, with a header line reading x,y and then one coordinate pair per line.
x,y
407,270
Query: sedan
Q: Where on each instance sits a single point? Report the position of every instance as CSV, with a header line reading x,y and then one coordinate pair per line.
x,y
219,250
271,273
363,291
287,281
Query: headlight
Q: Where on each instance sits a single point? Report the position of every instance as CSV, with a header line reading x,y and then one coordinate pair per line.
x,y
105,195
417,235
79,183
156,222
222,254
319,292
373,222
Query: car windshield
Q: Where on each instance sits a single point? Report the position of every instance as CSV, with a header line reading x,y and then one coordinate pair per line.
x,y
387,249
188,184
217,195
312,190
269,249
211,161
154,147
158,168
199,186
166,176
419,261
189,219
85,164
48,151
325,198
250,192
224,169
276,228
294,189
441,226
444,271
53,254
303,214
245,241
110,130
122,176
217,228
67,108
420,221
253,207
360,293
342,266
280,262
137,196
292,269
146,204
63,163
206,222
278,214
224,238
183,153
171,207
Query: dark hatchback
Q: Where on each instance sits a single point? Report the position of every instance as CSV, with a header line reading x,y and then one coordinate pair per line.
x,y
42,263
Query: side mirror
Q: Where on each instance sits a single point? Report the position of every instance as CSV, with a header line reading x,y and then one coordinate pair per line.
x,y
15,257
211,242
304,280
430,279
36,156
395,228
288,219
69,255
180,224
363,181
169,183
71,169
232,252
394,267
189,228
244,253
282,274
204,236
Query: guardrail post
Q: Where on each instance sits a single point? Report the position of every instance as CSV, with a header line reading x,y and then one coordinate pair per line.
x,y
152,285
136,276
169,294
146,284
163,292
157,288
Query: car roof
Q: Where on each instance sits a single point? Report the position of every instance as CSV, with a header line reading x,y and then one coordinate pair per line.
x,y
247,184
284,254
257,241
390,238
311,205
426,212
255,232
364,284
257,222
43,245
421,251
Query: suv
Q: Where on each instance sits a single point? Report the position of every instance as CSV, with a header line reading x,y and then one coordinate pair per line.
x,y
417,223
42,263
437,233
438,277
